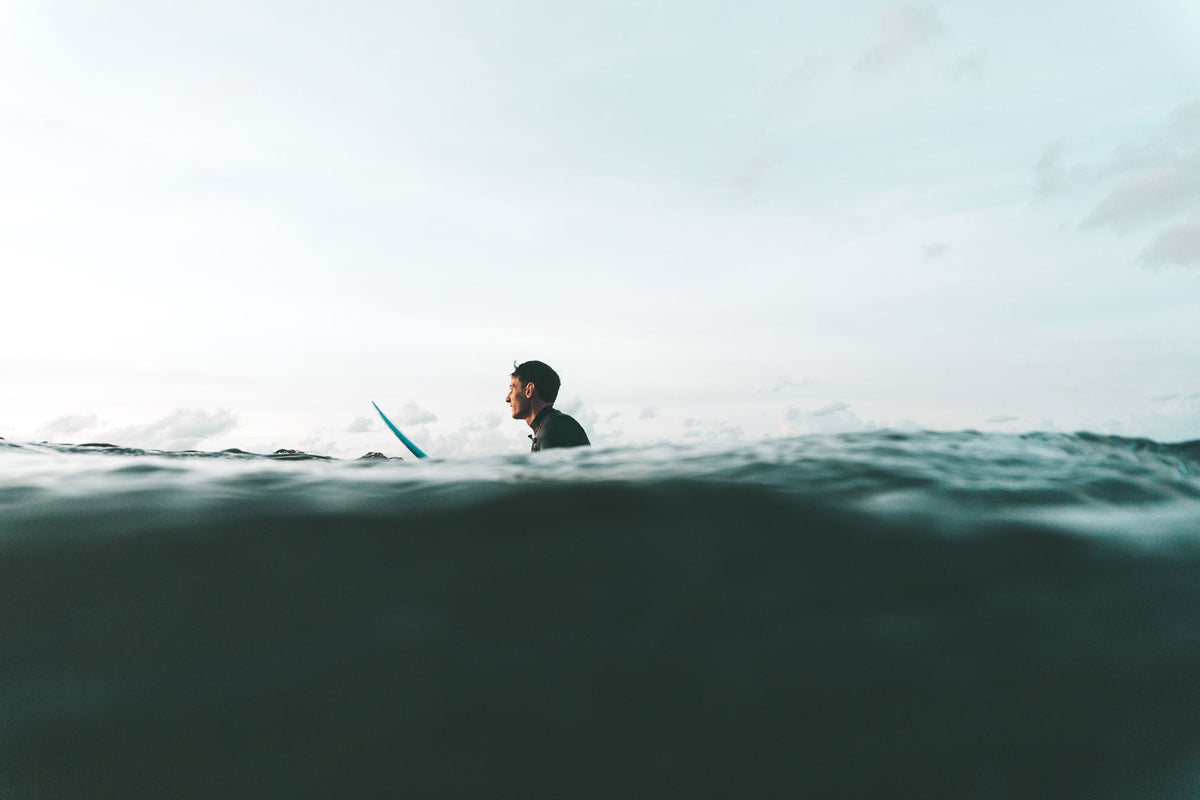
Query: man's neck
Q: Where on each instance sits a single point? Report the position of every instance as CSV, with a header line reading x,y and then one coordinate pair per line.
x,y
536,407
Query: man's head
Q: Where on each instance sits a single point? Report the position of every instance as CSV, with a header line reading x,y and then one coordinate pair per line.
x,y
534,385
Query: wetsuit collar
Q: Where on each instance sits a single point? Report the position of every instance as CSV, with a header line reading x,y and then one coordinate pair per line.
x,y
543,415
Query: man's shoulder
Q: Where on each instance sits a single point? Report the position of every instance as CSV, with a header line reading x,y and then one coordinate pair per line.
x,y
554,415
560,429
544,417
561,419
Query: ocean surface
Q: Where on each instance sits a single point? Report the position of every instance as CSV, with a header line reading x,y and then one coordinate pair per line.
x,y
880,615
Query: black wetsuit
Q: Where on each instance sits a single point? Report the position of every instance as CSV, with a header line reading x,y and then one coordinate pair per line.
x,y
553,428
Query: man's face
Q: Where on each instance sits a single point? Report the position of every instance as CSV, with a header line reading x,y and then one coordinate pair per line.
x,y
518,397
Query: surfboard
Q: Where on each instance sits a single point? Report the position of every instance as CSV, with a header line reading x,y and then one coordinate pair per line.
x,y
416,451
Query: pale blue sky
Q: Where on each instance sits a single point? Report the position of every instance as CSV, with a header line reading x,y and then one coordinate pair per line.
x,y
236,224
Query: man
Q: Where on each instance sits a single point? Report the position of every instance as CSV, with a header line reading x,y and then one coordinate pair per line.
x,y
531,394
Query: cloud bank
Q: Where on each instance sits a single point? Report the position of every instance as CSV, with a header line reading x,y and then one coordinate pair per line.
x,y
183,429
1153,183
67,425
834,417
1174,419
413,414
1148,194
1178,245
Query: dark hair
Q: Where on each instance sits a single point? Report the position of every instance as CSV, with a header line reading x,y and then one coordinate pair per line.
x,y
545,380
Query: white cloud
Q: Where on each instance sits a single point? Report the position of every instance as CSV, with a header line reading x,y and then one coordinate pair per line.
x,y
702,430
830,409
834,417
485,433
808,70
649,412
902,29
1177,245
1000,419
1146,183
1174,420
756,169
413,414
787,383
318,445
969,67
67,425
789,89
360,425
1150,194
935,250
181,430
1185,122
1048,169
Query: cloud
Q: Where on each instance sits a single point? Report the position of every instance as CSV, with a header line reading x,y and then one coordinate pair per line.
x,y
1178,245
1162,398
830,409
1174,420
181,430
66,425
1054,174
787,383
712,431
969,67
413,414
1185,122
787,93
811,68
1000,419
1151,193
726,432
360,425
902,29
1153,182
649,412
935,250
479,435
1048,170
835,417
803,75
756,169
318,445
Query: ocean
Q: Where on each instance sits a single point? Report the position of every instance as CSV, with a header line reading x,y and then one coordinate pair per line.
x,y
876,615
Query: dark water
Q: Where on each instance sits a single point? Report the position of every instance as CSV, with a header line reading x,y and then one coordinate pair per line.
x,y
880,615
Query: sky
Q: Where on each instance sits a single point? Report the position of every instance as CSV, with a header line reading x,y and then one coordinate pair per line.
x,y
238,224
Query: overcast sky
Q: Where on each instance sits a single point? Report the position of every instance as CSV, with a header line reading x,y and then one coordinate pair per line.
x,y
236,224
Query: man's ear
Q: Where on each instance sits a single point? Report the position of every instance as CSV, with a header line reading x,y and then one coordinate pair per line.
x,y
530,389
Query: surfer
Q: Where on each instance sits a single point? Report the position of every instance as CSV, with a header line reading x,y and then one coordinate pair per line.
x,y
531,395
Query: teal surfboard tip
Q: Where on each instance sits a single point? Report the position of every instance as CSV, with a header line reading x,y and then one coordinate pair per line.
x,y
416,451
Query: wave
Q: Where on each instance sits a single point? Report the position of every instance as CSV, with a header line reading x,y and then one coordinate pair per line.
x,y
871,615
